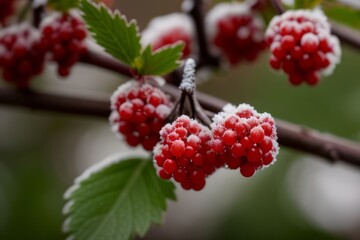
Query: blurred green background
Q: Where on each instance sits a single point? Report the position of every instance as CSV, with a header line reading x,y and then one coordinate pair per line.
x,y
298,198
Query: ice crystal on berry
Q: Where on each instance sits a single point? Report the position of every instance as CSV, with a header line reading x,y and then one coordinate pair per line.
x,y
170,29
139,111
302,46
244,138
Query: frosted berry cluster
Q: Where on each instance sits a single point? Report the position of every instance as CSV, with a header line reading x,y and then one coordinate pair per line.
x,y
139,111
235,31
21,54
63,35
7,9
170,29
244,138
302,46
185,153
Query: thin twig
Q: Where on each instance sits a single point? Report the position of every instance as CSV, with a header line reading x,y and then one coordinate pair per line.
x,y
290,135
205,56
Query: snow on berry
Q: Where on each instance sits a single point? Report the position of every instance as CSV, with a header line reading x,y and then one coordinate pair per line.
x,y
302,46
21,54
139,111
244,138
185,153
235,31
170,29
64,35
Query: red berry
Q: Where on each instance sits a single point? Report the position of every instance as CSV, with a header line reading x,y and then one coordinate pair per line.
x,y
170,166
247,169
177,148
257,134
164,175
229,137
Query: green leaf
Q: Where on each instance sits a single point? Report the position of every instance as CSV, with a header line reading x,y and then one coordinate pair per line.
x,y
307,4
63,5
117,201
161,61
113,32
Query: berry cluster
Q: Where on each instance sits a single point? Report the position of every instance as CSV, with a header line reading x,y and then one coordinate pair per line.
x,y
21,54
302,46
7,9
169,29
63,36
244,138
139,111
185,153
239,138
235,31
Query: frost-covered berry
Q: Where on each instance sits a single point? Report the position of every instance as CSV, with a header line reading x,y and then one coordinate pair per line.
x,y
302,46
244,138
7,8
170,29
21,54
235,31
63,36
139,111
185,153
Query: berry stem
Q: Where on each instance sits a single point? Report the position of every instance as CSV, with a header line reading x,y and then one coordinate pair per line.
x,y
187,88
38,15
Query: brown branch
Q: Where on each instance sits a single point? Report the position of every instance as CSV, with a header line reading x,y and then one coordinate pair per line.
x,y
290,135
345,34
206,58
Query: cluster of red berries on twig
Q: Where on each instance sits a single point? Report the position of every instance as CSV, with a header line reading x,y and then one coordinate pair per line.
x,y
139,111
24,49
169,29
185,153
22,55
63,36
302,46
244,138
239,138
235,31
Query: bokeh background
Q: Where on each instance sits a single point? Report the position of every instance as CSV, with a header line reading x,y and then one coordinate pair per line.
x,y
300,197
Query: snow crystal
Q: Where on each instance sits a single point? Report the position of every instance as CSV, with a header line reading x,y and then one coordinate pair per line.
x,y
188,82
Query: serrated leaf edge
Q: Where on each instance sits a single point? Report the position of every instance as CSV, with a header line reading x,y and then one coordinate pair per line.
x,y
113,14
